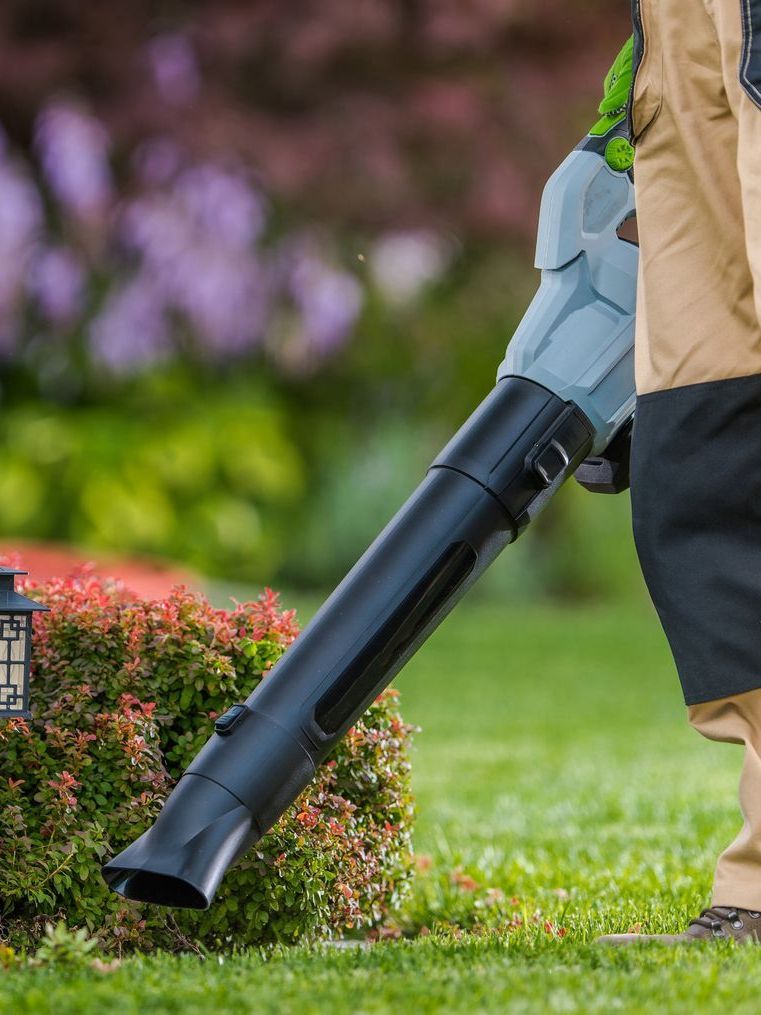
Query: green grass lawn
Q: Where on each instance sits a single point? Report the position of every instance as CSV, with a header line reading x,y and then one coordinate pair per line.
x,y
556,770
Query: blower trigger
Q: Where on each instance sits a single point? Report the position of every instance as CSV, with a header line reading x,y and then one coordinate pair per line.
x,y
609,472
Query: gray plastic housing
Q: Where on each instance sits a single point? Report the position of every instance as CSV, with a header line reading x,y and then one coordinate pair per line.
x,y
577,337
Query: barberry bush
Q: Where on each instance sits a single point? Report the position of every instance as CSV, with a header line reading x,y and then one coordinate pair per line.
x,y
124,693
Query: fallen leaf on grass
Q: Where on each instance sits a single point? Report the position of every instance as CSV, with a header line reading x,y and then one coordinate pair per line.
x,y
463,881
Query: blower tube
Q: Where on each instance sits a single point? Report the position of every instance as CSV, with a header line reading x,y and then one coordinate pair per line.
x,y
480,493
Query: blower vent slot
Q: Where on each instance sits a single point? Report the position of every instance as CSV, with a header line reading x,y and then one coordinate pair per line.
x,y
377,657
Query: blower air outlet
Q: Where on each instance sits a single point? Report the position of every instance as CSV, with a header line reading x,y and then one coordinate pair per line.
x,y
160,890
383,651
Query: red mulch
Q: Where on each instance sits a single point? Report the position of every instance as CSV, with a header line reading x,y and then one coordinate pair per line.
x,y
148,579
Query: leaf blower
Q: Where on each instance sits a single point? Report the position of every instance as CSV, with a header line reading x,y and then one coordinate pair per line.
x,y
564,400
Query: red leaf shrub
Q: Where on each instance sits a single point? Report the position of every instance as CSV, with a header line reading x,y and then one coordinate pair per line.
x,y
123,695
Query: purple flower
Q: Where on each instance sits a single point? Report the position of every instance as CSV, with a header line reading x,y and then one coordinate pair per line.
x,y
56,280
225,296
154,227
21,222
130,330
222,205
156,161
205,207
73,147
329,301
198,241
20,212
175,69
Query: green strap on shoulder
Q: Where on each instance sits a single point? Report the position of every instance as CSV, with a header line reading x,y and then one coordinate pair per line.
x,y
617,86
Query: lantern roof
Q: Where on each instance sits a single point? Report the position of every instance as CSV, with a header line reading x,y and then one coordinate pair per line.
x,y
12,601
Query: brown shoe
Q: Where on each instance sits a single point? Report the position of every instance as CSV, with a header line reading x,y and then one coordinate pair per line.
x,y
717,922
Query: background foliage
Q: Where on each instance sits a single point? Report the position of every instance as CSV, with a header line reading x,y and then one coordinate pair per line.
x,y
258,259
123,694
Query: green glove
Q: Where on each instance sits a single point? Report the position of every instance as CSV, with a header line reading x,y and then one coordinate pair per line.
x,y
617,86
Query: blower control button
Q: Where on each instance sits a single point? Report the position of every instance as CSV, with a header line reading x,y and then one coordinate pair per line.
x,y
227,722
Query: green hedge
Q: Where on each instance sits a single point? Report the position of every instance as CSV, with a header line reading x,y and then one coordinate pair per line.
x,y
201,481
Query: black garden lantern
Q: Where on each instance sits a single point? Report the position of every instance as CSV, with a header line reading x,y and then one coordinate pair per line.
x,y
15,646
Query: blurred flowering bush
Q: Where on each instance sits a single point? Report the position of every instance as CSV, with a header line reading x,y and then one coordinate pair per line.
x,y
380,114
124,693
201,204
141,143
172,259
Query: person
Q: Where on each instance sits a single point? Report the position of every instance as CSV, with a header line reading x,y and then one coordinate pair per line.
x,y
692,74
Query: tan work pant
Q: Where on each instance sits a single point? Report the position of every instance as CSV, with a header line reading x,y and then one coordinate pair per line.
x,y
696,473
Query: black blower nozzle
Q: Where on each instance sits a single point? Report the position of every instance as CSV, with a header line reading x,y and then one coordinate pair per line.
x,y
481,492
181,860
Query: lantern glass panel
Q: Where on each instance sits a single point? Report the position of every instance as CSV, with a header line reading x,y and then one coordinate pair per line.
x,y
15,635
